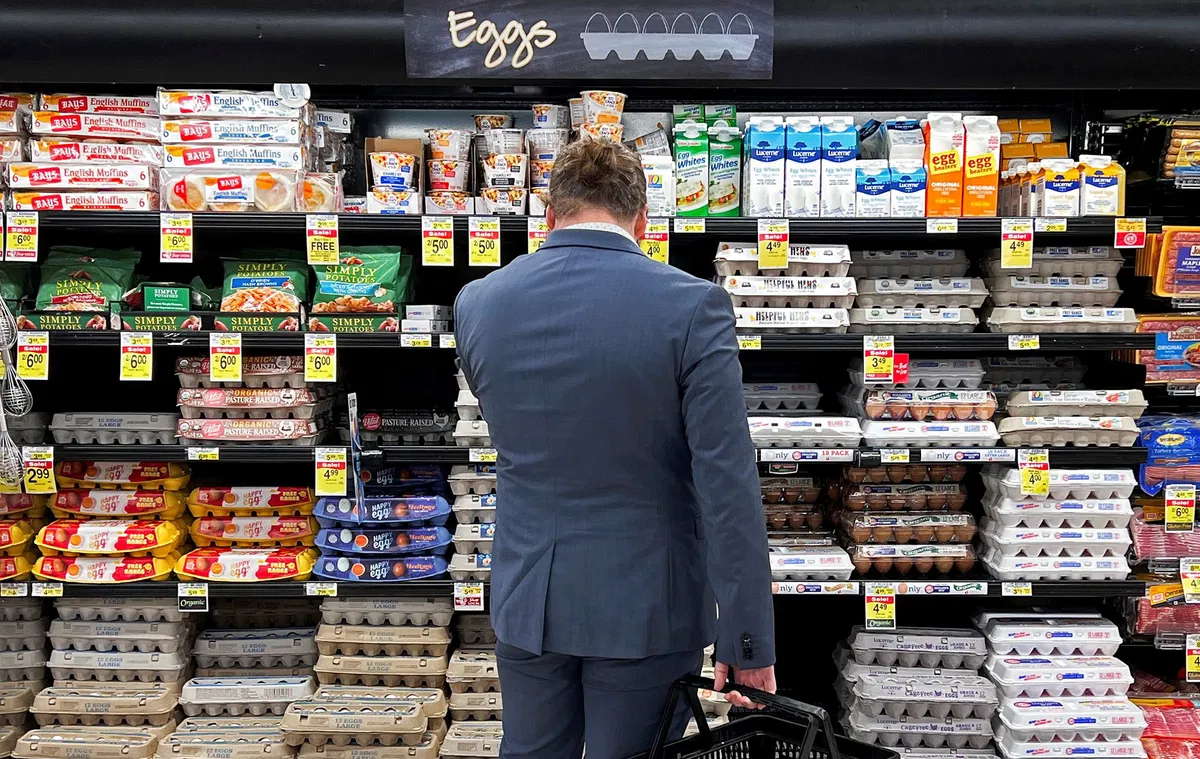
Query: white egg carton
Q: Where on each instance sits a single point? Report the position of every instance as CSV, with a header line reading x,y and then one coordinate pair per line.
x,y
106,429
467,406
936,696
792,320
918,731
474,538
781,395
15,611
80,635
1071,719
1008,319
387,611
804,432
479,479
1052,636
945,753
1077,292
22,634
790,292
266,647
983,618
374,671
1062,261
905,321
120,609
850,670
928,292
477,706
1057,676
949,648
1059,431
474,509
470,566
256,696
1054,541
1015,369
1064,483
1128,403
809,563
472,434
22,665
1011,748
918,434
741,259
134,666
952,373
1094,513
473,739
1009,568
908,263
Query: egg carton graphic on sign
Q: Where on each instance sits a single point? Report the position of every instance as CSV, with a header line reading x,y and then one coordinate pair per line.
x,y
683,45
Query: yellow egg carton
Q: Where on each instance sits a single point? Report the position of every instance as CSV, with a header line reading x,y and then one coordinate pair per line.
x,y
128,475
22,506
15,535
104,570
251,501
73,503
16,568
254,531
219,564
111,537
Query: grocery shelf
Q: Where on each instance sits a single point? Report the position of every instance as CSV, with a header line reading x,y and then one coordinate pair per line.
x,y
255,453
277,589
281,339
970,586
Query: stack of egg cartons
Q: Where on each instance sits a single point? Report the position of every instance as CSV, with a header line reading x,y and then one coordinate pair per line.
x,y
249,683
474,679
476,740
811,295
1073,417
925,279
22,665
474,490
471,429
1062,692
1078,531
20,517
90,152
916,687
1005,375
716,708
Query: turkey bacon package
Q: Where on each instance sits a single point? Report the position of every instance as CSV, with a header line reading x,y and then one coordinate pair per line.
x,y
264,282
84,279
365,280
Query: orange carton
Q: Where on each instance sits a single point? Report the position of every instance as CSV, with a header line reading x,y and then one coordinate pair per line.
x,y
1016,150
982,174
944,160
1051,150
1035,125
1009,126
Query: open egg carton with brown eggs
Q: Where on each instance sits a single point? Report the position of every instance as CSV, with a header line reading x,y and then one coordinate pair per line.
x,y
928,374
914,473
1061,261
906,559
908,263
920,405
741,260
907,527
790,292
925,292
906,497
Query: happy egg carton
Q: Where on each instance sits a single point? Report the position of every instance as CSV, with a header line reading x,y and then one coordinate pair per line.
x,y
426,749
792,320
475,509
472,479
781,395
119,609
472,434
474,538
392,671
106,666
1062,261
267,647
1054,541
473,670
54,743
94,704
476,706
1008,568
929,374
473,739
1033,319
22,634
1058,676
926,292
387,611
790,292
908,263
948,648
233,744
1071,719
1059,431
906,321
1052,637
809,563
80,635
381,640
257,372
918,434
1018,369
353,723
1011,748
22,665
1128,403
473,566
21,609
936,696
799,432
920,731
14,704
1064,483
106,429
1076,292
1093,513
741,260
256,696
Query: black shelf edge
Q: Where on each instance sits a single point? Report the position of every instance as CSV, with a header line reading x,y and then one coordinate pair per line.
x,y
199,339
964,587
254,453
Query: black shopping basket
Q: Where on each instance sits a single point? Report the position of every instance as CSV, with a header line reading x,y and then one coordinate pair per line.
x,y
786,729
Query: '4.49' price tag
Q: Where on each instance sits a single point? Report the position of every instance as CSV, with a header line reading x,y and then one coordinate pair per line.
x,y
33,355
881,606
331,471
1034,464
225,356
137,356
773,243
656,242
1180,507
1192,666
1016,243
39,469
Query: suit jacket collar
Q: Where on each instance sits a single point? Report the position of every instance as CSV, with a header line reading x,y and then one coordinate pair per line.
x,y
589,238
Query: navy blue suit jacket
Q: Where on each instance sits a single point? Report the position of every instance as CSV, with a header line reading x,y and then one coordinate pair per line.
x,y
628,501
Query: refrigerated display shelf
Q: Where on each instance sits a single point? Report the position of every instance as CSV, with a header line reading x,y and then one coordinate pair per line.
x,y
254,453
974,586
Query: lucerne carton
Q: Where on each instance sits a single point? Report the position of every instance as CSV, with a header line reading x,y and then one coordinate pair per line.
x,y
944,143
1103,186
691,169
724,170
839,151
873,189
981,177
1057,188
905,140
803,166
762,182
908,187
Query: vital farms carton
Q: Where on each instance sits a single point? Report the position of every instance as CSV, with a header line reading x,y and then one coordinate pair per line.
x,y
839,151
691,169
981,177
944,144
802,166
763,176
724,171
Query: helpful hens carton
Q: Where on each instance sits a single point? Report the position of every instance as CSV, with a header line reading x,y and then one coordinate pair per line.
x,y
944,144
839,152
802,166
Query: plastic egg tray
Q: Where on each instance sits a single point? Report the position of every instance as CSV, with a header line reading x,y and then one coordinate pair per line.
x,y
1077,292
809,563
257,372
22,634
269,647
473,739
905,321
886,527
791,320
1054,541
119,609
473,434
473,479
467,406
474,538
146,637
1053,319
1057,676
814,431
899,473
477,706
1058,431
923,646
1011,748
776,396
392,671
1062,261
937,696
381,640
906,558
942,292
250,501
474,509
923,405
905,497
789,490
1064,483
256,696
1094,513
473,670
387,611
1017,369
1070,719
474,566
106,666
918,434
932,373
924,731
790,292
353,723
1054,568
741,259
908,263
254,531
105,429
1053,637
1130,403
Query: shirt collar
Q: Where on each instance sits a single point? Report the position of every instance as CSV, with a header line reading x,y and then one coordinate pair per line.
x,y
600,226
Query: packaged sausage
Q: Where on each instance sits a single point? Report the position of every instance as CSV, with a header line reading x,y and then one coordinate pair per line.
x,y
251,403
792,320
333,511
944,292
84,200
902,321
935,473
923,405
115,176
219,564
1176,273
106,537
908,263
1059,431
1128,403
71,150
257,371
941,559
1062,261
232,431
254,531
229,189
790,292
741,260
876,527
109,126
1076,291
906,497
423,540
1035,319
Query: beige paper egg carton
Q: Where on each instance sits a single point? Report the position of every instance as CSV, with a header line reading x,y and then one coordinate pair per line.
x,y
1008,319
473,739
387,611
122,667
475,630
14,704
476,706
93,704
353,723
15,611
120,609
125,637
256,647
56,743
232,744
431,700
426,749
252,671
376,640
277,612
256,696
473,670
392,671
474,566
22,634
22,665
8,738
217,724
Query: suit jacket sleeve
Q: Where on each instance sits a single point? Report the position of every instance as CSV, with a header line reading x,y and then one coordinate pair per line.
x,y
727,485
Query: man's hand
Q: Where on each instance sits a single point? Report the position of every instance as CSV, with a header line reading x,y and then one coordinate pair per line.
x,y
762,678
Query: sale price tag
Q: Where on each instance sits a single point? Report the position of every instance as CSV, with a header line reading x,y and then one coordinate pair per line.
x,y
321,231
1192,650
176,242
881,606
1034,464
1016,243
879,359
538,228
137,356
1189,577
468,596
320,357
1128,233
225,356
1180,505
203,453
656,242
331,471
39,469
773,243
941,226
193,596
1024,342
33,355
483,239
21,236
1016,589
689,225
437,240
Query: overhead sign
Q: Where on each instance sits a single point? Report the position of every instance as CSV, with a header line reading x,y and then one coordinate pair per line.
x,y
539,39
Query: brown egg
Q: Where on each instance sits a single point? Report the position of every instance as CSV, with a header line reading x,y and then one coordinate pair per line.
x,y
876,500
883,564
923,564
964,533
882,534
399,569
938,473
807,495
923,533
73,498
778,521
897,502
200,565
896,473
956,472
877,475
54,566
857,473
963,411
813,519
862,564
943,533
986,409
790,495
903,564
956,500
59,537
860,533
897,410
919,411
874,407
856,501
943,563
902,533
833,490
935,500
964,563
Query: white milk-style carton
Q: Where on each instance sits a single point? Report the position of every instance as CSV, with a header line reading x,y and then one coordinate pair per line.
x,y
691,169
905,140
873,189
981,177
839,152
1102,189
803,166
660,184
1057,188
763,182
724,170
908,187
945,144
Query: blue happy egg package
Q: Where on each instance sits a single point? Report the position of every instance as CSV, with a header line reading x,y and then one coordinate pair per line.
x,y
376,511
397,569
384,542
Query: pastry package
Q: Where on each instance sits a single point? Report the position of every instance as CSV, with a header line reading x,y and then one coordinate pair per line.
x,y
108,126
118,104
85,200
236,156
116,176
73,150
229,189
229,103
234,131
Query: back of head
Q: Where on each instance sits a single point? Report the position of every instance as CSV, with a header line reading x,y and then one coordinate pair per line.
x,y
598,175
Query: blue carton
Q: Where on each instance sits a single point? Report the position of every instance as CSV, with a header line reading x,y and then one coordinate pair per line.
x,y
414,512
400,569
386,542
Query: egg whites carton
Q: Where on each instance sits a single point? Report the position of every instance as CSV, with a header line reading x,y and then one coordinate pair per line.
x,y
1059,431
1062,261
1077,292
812,431
1127,403
1053,636
472,479
949,648
467,406
1009,319
473,739
106,429
392,671
1071,719
1054,541
475,509
908,263
81,635
22,634
24,609
1064,483
95,744
22,665
267,647
790,292
474,538
792,320
809,563
1015,369
257,372
937,696
353,723
917,434
14,704
473,434
104,666
382,640
1008,568
1093,513
476,706
741,260
781,395
227,745
942,292
256,696
907,321
473,670
923,731
1011,748
93,704
930,374
387,611
1058,676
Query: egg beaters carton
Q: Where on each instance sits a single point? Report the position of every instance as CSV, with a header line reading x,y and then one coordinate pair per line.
x,y
1103,188
873,189
908,187
839,152
1057,188
944,145
802,166
981,175
764,146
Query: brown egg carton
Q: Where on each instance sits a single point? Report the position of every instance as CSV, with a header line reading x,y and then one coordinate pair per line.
x,y
793,518
427,749
392,671
474,739
906,497
933,405
473,670
924,559
93,744
790,490
227,745
374,640
476,706
94,704
431,700
14,703
355,723
897,473
921,527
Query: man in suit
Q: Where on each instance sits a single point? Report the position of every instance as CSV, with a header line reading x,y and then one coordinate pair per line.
x,y
628,500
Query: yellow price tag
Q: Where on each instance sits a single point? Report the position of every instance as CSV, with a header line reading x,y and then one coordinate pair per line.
x,y
1044,224
881,606
225,356
879,359
773,243
39,469
539,228
1016,589
1016,243
750,342
656,242
1179,503
176,241
1034,464
1191,667
21,236
940,226
33,355
1024,342
482,456
320,357
1129,233
468,596
331,471
483,241
322,589
437,241
137,356
321,232
689,225
413,340
203,453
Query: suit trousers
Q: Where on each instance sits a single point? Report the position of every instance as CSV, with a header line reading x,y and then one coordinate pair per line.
x,y
555,703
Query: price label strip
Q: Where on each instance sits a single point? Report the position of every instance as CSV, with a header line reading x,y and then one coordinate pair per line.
x,y
437,241
879,359
1024,342
321,589
689,225
203,453
941,226
21,236
1180,507
656,242
321,235
1041,224
13,590
39,469
176,240
539,229
1034,464
193,596
483,238
137,356
225,357
1129,233
33,355
1016,589
881,606
331,471
320,357
1192,665
773,243
1016,243
482,456
409,340
46,590
750,342
468,596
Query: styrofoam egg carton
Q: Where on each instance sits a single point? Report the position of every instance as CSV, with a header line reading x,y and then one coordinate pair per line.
x,y
922,731
1009,568
1054,541
21,609
790,292
1056,676
933,695
479,479
387,611
1128,403
473,434
917,434
1062,261
266,647
943,292
1070,719
467,406
802,432
741,259
22,634
105,429
1052,636
791,320
1008,319
1058,431
474,538
80,635
1012,748
931,373
985,617
950,648
781,395
1078,291
1064,483
475,509
1095,513
809,563
217,696
22,665
128,667
472,566
904,321
1016,369
908,263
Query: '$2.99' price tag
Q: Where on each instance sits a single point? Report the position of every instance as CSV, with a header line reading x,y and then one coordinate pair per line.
x,y
1034,465
331,471
39,469
1179,501
881,606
